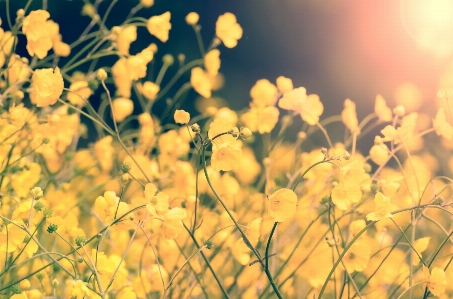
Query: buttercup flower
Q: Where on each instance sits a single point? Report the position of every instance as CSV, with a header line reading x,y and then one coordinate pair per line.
x,y
441,125
39,39
159,26
282,204
122,108
420,246
435,282
212,62
383,112
382,209
262,119
228,30
309,107
357,257
172,225
149,90
284,84
125,37
47,86
349,115
263,93
147,3
182,117
200,82
79,93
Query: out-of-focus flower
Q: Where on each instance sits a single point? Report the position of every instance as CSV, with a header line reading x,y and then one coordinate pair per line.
x,y
357,257
442,127
125,37
435,282
39,39
47,86
228,30
147,3
381,109
159,26
79,93
284,84
200,82
282,204
263,93
382,208
262,119
309,107
212,62
420,245
172,225
122,108
182,117
149,90
192,18
349,115
6,44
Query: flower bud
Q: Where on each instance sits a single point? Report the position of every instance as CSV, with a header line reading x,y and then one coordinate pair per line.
x,y
192,18
195,128
55,283
399,110
52,228
168,59
80,240
25,284
245,133
101,74
125,168
36,193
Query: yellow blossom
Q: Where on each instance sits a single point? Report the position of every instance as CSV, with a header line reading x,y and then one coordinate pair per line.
x,y
261,119
200,82
435,282
121,77
228,30
18,69
379,153
159,26
125,37
104,151
79,93
6,45
263,93
149,90
172,223
382,209
76,289
309,107
147,3
225,157
122,108
349,115
284,84
357,257
282,204
240,250
212,62
420,245
383,112
442,126
39,39
47,86
181,117
192,18
106,206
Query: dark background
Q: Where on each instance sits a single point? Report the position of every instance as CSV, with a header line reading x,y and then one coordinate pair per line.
x,y
335,48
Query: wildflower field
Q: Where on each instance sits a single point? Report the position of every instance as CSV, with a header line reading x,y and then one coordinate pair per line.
x,y
124,175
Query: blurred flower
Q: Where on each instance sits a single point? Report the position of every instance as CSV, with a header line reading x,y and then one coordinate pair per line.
x,y
212,62
263,93
435,282
382,208
149,90
440,124
357,257
383,112
47,86
309,107
284,84
159,26
349,115
79,92
181,117
122,108
125,37
282,204
228,30
200,82
147,3
260,119
39,39
420,245
172,223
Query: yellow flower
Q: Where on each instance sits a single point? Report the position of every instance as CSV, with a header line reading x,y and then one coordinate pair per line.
x,y
349,115
212,62
382,209
76,289
420,246
220,126
357,257
172,225
383,112
47,86
282,204
149,90
435,282
106,206
192,18
36,29
125,37
225,157
309,107
261,119
379,153
182,117
122,108
263,93
200,82
343,196
284,84
442,127
159,26
104,151
121,77
240,250
18,69
228,30
126,293
79,93
6,45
